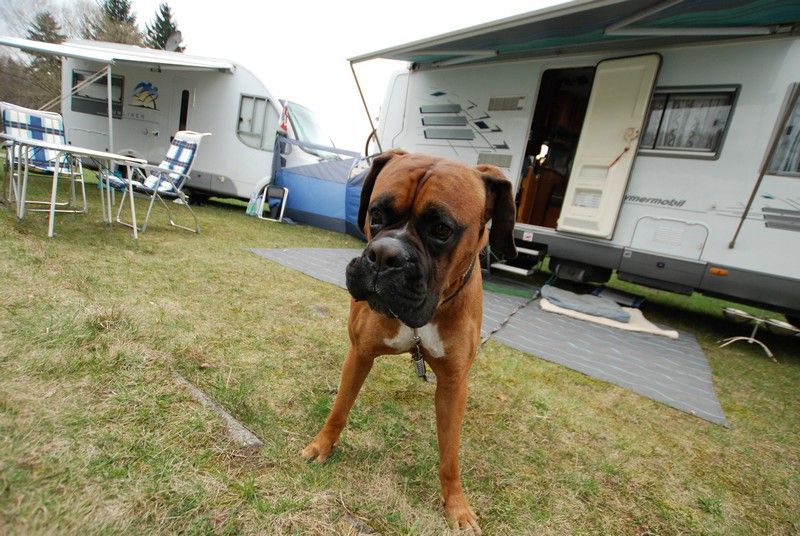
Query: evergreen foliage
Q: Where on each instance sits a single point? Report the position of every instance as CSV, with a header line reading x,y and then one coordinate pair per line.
x,y
158,31
116,25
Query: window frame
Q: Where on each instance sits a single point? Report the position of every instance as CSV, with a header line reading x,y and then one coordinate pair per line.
x,y
732,89
791,101
249,137
85,104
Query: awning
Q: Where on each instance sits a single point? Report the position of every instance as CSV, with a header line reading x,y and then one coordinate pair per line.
x,y
116,54
593,25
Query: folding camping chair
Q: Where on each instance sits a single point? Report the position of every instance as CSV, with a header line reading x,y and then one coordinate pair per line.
x,y
26,123
274,198
166,180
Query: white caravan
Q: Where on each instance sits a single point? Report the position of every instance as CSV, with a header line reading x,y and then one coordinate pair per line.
x,y
155,93
657,139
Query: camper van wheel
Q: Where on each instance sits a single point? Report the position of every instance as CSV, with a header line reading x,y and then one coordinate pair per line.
x,y
197,198
793,320
578,271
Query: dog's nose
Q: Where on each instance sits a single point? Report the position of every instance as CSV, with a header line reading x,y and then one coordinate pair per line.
x,y
386,252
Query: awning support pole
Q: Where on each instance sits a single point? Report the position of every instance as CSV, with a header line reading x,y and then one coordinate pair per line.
x,y
77,87
773,144
366,108
110,110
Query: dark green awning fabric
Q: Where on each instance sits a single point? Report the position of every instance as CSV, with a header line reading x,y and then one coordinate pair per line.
x,y
583,26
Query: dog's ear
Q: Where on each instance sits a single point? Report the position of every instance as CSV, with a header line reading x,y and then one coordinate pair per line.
x,y
500,209
369,183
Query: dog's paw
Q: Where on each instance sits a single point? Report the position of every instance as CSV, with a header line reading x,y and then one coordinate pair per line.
x,y
319,449
459,515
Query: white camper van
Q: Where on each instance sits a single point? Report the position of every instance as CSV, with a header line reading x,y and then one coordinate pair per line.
x,y
657,139
155,93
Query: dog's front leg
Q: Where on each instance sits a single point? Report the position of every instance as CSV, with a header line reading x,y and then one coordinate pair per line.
x,y
451,401
355,369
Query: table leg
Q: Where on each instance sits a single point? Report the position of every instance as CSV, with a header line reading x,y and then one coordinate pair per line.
x,y
16,179
51,225
103,204
133,207
23,190
110,198
105,197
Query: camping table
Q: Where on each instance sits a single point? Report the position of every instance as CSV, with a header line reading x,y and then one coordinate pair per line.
x,y
97,156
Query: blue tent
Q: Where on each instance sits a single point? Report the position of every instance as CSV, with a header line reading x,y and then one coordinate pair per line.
x,y
322,194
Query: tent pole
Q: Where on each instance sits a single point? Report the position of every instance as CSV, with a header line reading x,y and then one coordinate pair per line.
x,y
366,108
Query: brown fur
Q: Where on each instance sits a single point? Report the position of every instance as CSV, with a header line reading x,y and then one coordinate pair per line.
x,y
471,196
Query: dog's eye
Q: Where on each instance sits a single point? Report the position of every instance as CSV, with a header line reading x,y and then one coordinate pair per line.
x,y
376,218
441,231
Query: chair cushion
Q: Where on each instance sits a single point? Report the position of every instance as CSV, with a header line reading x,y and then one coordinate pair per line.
x,y
165,186
148,187
38,125
179,158
112,180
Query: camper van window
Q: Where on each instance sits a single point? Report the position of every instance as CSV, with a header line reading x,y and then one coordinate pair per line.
x,y
307,129
687,122
93,99
252,119
786,158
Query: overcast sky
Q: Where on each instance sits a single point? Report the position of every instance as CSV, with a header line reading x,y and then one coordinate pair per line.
x,y
299,48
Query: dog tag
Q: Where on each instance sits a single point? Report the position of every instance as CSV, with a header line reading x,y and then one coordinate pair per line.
x,y
416,357
419,366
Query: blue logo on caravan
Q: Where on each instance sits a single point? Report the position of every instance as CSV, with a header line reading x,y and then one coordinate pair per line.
x,y
145,95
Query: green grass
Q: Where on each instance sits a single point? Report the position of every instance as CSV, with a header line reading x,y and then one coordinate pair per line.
x,y
96,437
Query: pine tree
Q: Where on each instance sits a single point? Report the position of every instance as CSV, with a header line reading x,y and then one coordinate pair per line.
x,y
45,28
15,83
119,11
117,24
157,33
45,69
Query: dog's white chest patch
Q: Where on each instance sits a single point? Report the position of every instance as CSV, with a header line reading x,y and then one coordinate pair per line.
x,y
429,338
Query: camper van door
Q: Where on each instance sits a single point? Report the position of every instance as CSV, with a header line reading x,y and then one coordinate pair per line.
x,y
607,146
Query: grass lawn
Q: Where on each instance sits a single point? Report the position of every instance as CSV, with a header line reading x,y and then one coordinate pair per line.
x,y
97,437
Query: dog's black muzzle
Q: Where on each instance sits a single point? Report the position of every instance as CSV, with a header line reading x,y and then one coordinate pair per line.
x,y
392,277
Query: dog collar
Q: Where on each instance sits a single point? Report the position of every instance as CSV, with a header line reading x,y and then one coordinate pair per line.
x,y
464,280
416,340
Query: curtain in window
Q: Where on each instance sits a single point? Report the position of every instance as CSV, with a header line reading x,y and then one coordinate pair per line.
x,y
787,154
653,122
693,122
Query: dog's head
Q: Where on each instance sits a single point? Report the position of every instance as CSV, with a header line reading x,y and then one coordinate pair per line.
x,y
425,219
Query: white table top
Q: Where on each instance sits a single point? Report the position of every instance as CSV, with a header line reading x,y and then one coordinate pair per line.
x,y
73,149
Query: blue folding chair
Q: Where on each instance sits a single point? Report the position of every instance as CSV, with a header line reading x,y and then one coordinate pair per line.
x,y
29,124
166,180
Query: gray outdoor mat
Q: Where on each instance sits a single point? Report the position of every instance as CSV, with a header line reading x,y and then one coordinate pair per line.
x,y
329,264
325,264
673,372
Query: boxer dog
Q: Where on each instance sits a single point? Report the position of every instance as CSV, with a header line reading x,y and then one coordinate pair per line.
x,y
417,288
